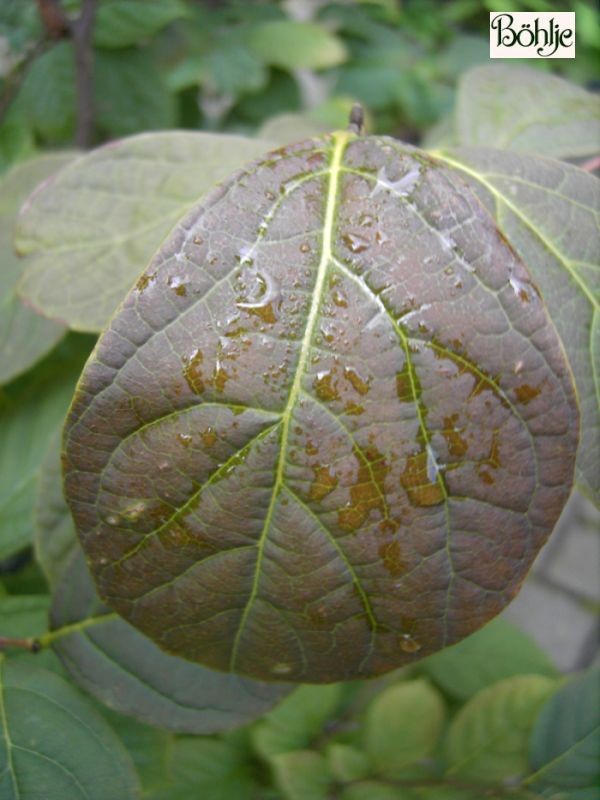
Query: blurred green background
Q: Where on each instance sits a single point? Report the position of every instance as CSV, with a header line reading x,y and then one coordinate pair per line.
x,y
238,66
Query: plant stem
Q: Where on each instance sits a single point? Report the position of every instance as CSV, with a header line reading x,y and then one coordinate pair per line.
x,y
81,33
36,643
75,627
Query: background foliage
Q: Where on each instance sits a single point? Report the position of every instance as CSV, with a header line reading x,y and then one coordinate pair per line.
x,y
490,717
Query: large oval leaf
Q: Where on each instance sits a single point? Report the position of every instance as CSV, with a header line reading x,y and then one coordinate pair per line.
x,y
332,425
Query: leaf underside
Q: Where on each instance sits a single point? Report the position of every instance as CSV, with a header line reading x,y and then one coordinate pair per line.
x,y
331,426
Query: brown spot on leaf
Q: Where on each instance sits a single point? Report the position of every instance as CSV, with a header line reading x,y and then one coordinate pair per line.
x,y
220,378
354,409
421,491
525,393
355,243
209,437
325,387
192,372
457,446
358,383
324,483
391,554
368,493
266,313
409,645
143,281
310,448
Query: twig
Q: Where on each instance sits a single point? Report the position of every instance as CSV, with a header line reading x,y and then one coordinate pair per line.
x,y
30,644
356,123
81,33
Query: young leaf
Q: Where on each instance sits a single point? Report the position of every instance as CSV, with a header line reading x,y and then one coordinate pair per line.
x,y
31,409
549,213
373,790
403,726
127,672
46,99
24,336
329,429
205,768
298,720
347,764
296,45
565,741
130,93
488,738
541,114
497,651
122,23
53,743
96,226
150,748
26,616
302,774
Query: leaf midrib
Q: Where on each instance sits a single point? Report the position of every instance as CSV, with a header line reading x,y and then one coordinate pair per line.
x,y
340,140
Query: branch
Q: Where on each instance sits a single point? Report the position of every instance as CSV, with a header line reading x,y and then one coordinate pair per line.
x,y
81,32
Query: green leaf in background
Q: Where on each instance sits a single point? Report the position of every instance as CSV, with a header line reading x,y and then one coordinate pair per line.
x,y
373,790
31,409
347,763
121,23
329,116
284,128
403,725
53,534
233,69
130,93
299,719
46,100
296,45
302,775
149,747
128,673
549,212
518,108
497,651
208,770
16,143
488,739
24,335
89,234
51,737
565,741
24,616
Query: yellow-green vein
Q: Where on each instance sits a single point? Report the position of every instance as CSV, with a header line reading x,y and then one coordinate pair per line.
x,y
340,141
